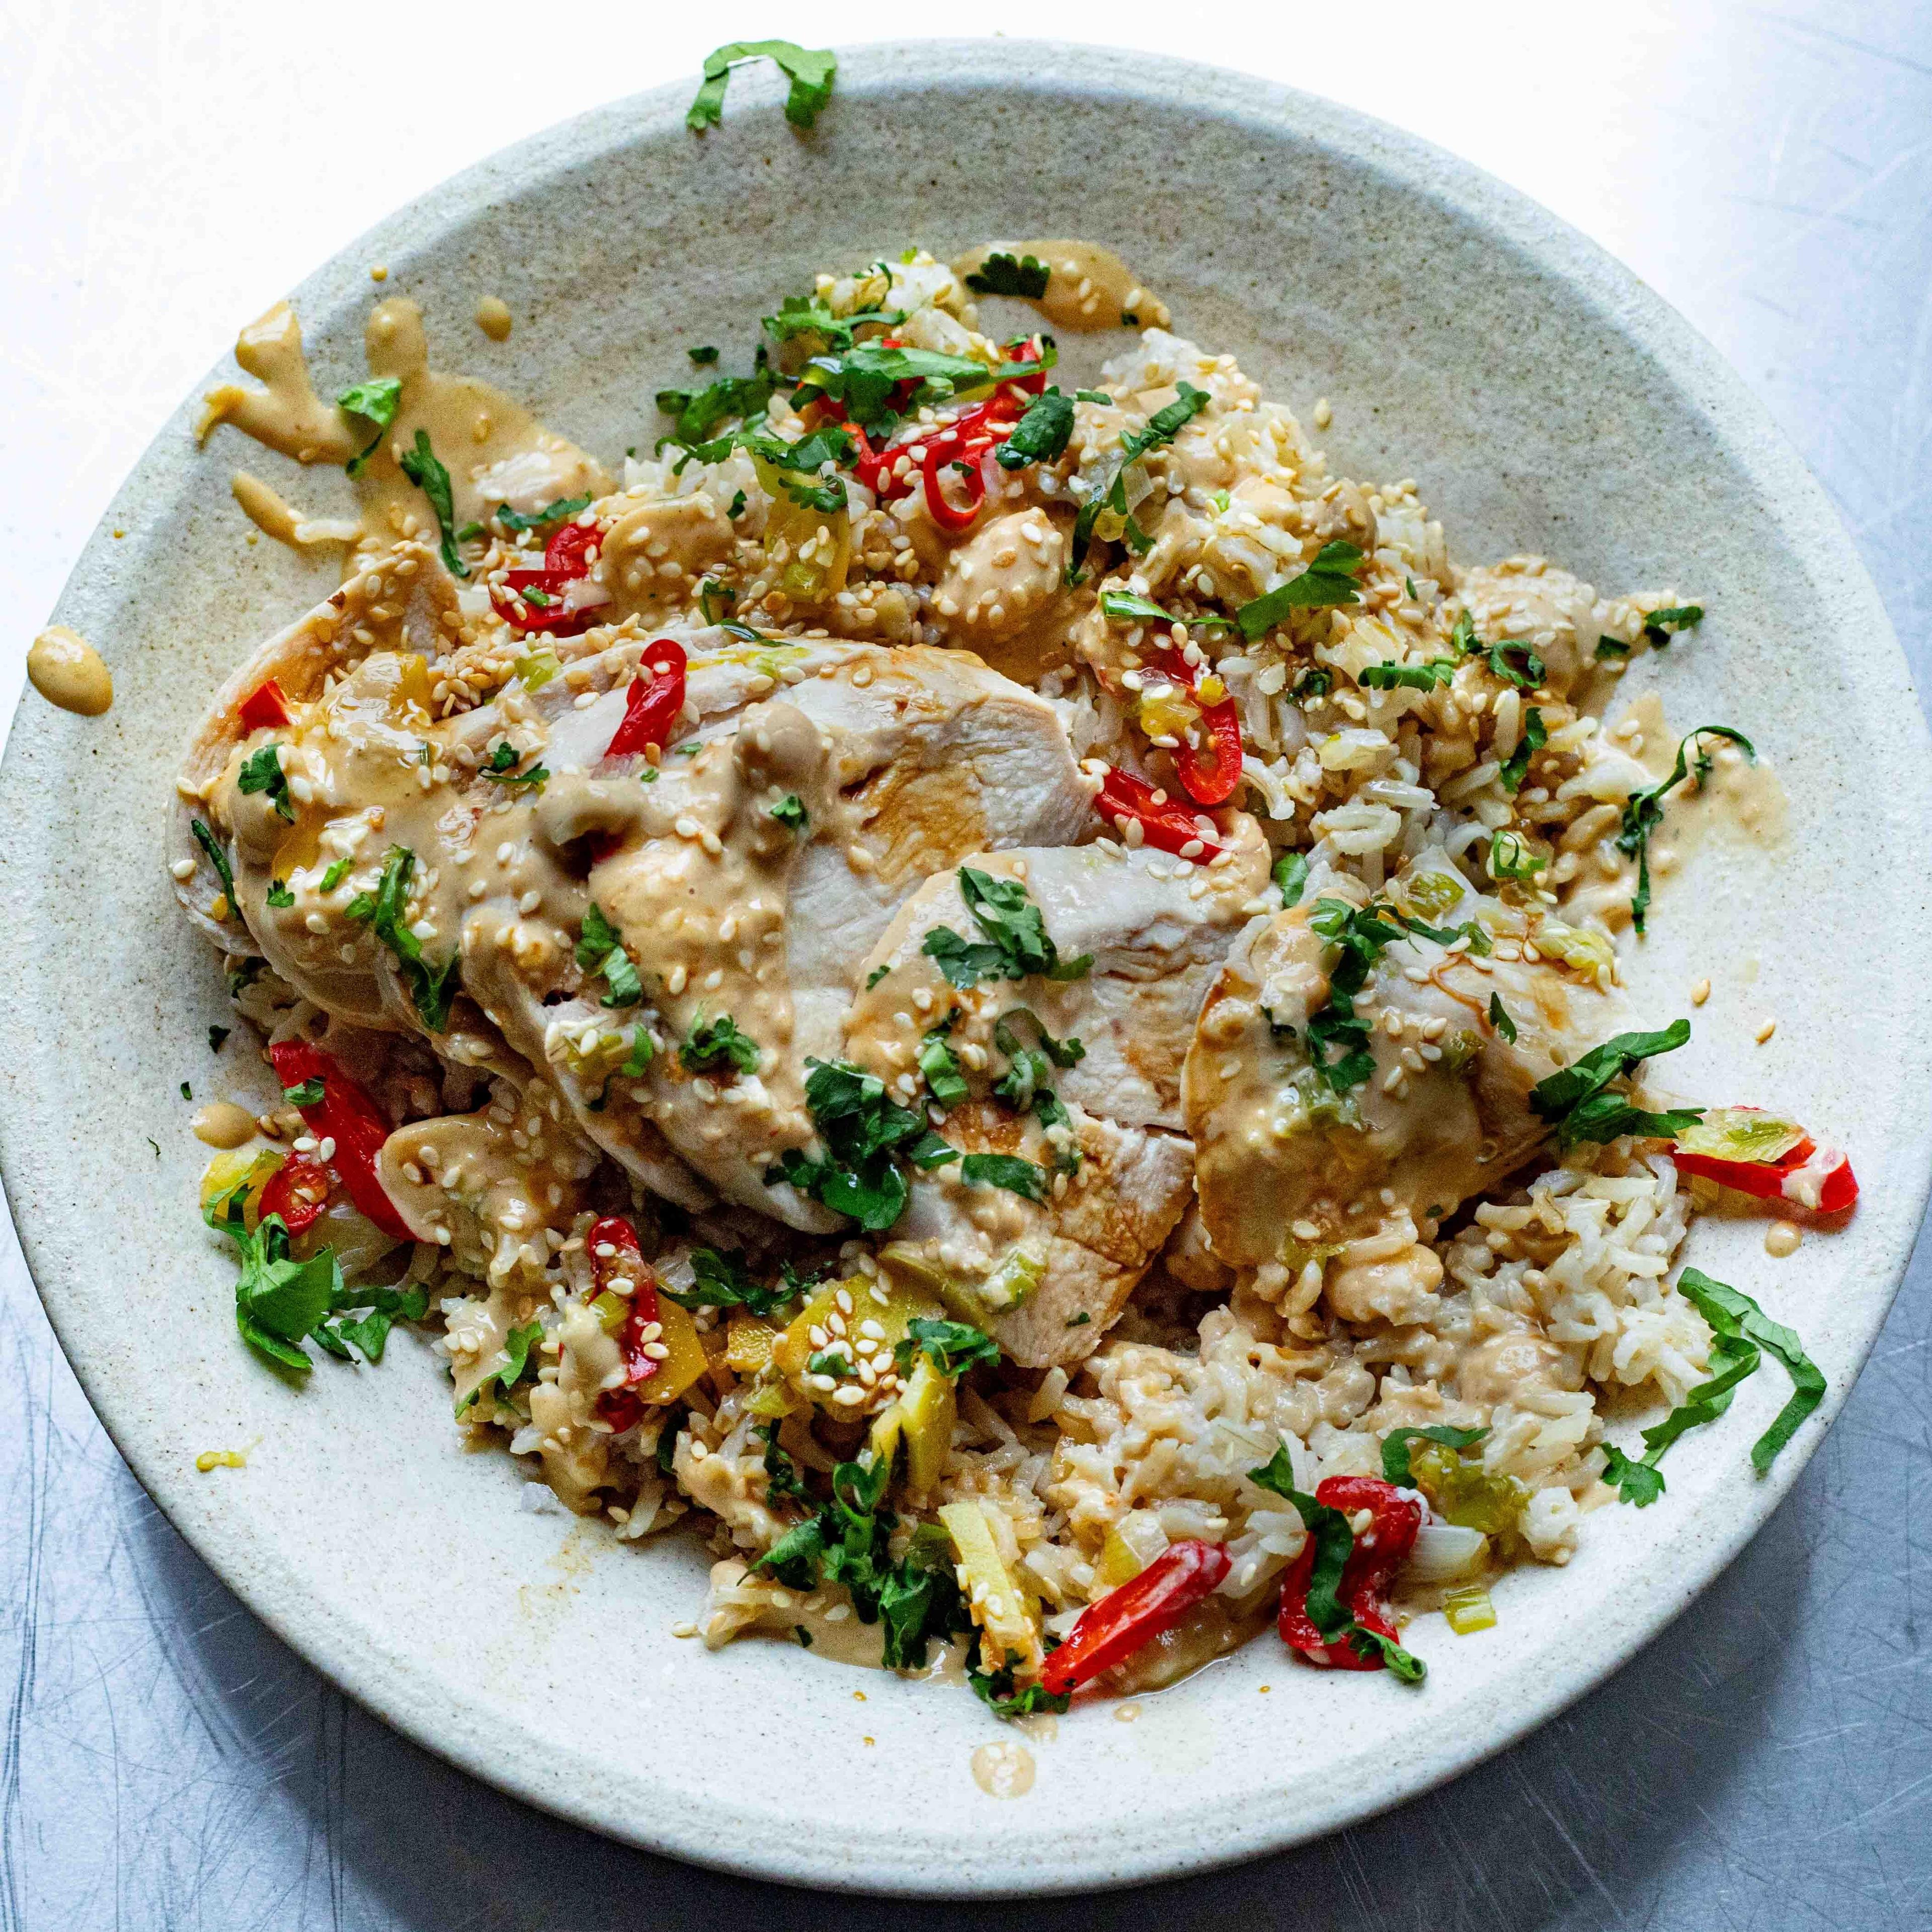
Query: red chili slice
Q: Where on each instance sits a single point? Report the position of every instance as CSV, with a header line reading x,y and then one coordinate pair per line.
x,y
1378,1554
622,1408
1121,1621
298,1191
265,706
943,513
655,701
1211,771
1165,822
566,561
347,1116
1765,1179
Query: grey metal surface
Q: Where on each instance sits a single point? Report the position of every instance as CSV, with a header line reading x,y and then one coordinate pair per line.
x,y
166,1762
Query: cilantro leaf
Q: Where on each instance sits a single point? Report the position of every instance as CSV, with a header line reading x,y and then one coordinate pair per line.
x,y
308,1093
952,1347
1499,1018
217,857
711,1044
1732,1313
810,71
261,771
1643,810
374,400
519,1357
433,988
864,377
1023,1177
1535,736
1017,945
1041,435
807,315
862,1131
550,513
1577,1101
699,412
1525,675
421,466
278,895
1329,581
600,950
1364,935
1162,427
1291,875
1510,858
1000,273
1638,1483
1659,626
789,812
500,768
995,1690
721,1281
1430,676
705,354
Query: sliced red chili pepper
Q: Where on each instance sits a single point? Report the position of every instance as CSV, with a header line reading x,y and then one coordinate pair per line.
x,y
265,706
1379,1552
347,1116
655,701
1120,1622
1210,771
616,1256
566,561
1165,822
942,512
1766,1179
298,1191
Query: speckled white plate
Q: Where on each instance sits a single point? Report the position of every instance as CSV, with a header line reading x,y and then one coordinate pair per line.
x,y
1544,400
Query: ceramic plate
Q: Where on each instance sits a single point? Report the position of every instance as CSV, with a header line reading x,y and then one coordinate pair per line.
x,y
1544,400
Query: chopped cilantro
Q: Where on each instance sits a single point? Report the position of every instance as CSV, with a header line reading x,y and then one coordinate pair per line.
x,y
520,1358
706,354
187,1092
1016,944
1025,276
600,950
334,876
550,513
782,1479
873,978
1513,661
308,1093
830,1362
501,767
1579,1102
1079,1321
262,772
374,401
1318,681
810,71
700,412
1025,1178
1092,396
721,1281
1643,810
1430,676
218,859
1535,736
864,1134
864,378
789,812
1609,647
806,315
1291,875
737,506
951,1347
995,1690
1162,427
1328,581
278,895
1499,1018
421,466
1041,435
431,988
1659,626
1364,935
711,1044
1740,1331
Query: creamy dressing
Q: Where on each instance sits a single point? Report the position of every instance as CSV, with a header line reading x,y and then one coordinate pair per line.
x,y
1004,1768
493,318
1088,287
274,516
67,671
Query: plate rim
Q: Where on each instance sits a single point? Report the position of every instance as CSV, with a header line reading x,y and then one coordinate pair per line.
x,y
1741,423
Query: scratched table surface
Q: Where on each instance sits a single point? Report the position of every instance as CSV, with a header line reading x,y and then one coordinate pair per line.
x,y
165,172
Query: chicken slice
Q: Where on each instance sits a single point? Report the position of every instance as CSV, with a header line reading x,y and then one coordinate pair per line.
x,y
1155,928
1284,1165
1046,1278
